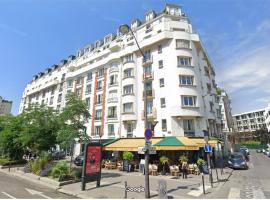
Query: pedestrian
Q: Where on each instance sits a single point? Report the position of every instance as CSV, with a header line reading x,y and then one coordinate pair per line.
x,y
184,170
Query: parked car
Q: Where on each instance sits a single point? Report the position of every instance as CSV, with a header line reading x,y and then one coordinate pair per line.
x,y
263,150
57,155
244,149
259,151
79,160
267,153
237,161
244,154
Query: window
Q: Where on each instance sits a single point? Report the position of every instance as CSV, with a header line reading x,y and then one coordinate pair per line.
x,y
161,82
162,103
189,101
89,76
87,101
68,91
128,58
160,64
113,79
147,55
51,101
128,107
99,85
97,130
211,106
101,72
99,99
70,84
79,92
164,125
208,85
79,81
112,112
111,130
128,73
59,99
98,114
43,94
186,80
130,128
183,61
189,127
149,107
88,89
182,44
52,91
112,96
159,48
128,89
206,71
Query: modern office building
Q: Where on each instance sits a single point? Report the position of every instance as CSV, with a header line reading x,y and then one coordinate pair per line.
x,y
267,116
110,74
250,121
227,122
5,106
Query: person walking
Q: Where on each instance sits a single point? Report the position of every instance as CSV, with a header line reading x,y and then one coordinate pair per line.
x,y
184,170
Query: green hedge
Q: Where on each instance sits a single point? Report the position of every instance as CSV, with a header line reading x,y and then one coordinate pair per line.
x,y
6,162
252,146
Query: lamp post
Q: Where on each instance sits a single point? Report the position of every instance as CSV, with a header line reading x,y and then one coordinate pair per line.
x,y
124,29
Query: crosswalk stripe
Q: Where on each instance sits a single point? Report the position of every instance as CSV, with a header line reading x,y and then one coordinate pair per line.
x,y
10,196
198,191
234,193
258,193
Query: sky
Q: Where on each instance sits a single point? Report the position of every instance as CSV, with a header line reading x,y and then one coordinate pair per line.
x,y
35,35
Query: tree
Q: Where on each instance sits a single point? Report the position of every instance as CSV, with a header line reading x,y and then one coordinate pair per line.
x,y
73,119
40,125
10,143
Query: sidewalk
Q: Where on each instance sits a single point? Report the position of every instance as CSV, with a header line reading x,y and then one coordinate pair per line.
x,y
113,184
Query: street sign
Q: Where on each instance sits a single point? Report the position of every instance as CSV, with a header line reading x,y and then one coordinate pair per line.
x,y
142,150
148,134
207,148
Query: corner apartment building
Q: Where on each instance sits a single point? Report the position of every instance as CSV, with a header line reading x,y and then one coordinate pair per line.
x,y
250,121
227,123
267,117
5,106
110,73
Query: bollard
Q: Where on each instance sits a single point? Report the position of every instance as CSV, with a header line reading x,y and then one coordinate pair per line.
x,y
125,190
203,183
162,189
211,178
217,174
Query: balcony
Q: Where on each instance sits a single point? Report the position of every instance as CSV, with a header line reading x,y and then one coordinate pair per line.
x,y
148,76
112,100
149,94
147,61
112,116
114,69
152,115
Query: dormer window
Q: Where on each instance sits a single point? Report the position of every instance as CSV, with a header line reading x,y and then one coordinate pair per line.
x,y
150,15
173,10
135,24
108,38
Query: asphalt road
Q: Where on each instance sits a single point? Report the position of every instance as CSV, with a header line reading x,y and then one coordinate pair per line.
x,y
14,188
248,184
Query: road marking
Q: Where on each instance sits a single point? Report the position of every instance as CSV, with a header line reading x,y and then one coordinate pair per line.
x,y
33,192
10,196
198,191
251,166
234,193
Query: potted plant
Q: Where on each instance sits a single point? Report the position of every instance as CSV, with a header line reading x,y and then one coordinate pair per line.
x,y
163,160
127,157
183,159
200,163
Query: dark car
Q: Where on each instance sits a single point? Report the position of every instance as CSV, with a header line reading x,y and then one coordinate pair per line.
x,y
259,150
79,160
237,161
57,155
245,149
242,151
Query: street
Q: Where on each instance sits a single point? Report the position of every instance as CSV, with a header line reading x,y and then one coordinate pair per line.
x,y
13,188
248,184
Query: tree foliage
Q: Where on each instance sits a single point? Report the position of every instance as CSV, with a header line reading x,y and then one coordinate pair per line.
x,y
73,119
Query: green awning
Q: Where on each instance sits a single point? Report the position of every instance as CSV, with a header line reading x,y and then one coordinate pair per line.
x,y
169,141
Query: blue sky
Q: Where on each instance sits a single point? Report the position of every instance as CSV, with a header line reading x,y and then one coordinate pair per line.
x,y
37,34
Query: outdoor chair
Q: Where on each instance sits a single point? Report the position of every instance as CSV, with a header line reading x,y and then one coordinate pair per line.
x,y
120,166
191,169
150,169
154,170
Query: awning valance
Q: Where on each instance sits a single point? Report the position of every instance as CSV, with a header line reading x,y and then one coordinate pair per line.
x,y
128,144
176,143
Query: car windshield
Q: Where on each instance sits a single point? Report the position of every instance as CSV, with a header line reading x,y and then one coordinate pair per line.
x,y
237,157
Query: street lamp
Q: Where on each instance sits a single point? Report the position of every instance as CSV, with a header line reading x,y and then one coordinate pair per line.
x,y
124,29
